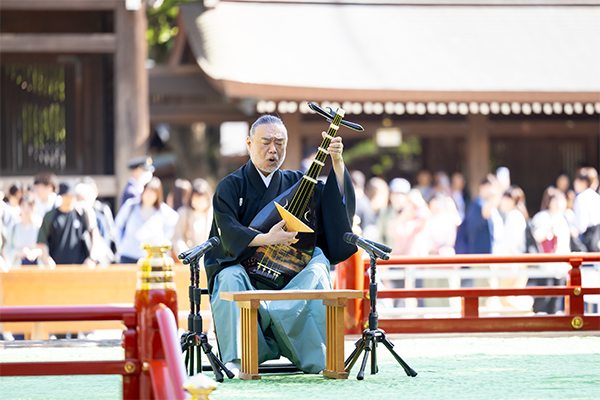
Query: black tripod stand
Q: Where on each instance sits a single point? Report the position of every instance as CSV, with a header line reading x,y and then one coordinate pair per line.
x,y
194,338
373,335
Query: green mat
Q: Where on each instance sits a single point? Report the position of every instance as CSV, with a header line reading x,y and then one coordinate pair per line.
x,y
470,367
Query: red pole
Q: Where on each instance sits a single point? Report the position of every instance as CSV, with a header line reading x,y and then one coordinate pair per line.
x,y
131,383
170,343
351,276
574,304
155,286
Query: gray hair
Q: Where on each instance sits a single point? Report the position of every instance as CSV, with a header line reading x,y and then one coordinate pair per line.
x,y
266,120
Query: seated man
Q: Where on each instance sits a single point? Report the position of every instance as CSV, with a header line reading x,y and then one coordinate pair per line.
x,y
295,329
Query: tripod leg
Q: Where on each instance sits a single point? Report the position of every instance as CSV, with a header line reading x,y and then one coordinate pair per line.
x,y
191,371
409,371
187,358
350,361
215,368
361,372
374,368
199,362
222,366
216,364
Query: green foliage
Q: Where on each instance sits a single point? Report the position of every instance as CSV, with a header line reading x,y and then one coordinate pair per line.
x,y
383,159
162,29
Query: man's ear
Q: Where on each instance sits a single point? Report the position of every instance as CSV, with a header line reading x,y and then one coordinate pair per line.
x,y
248,143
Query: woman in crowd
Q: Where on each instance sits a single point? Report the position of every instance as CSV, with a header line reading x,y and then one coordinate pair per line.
x,y
180,194
513,209
563,183
440,229
511,243
142,220
551,231
378,191
195,218
21,241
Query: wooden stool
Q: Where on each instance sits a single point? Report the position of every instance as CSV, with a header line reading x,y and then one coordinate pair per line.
x,y
334,300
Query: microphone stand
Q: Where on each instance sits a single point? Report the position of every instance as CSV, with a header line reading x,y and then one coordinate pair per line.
x,y
373,335
195,338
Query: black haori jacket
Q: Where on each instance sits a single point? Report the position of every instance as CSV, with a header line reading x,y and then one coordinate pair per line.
x,y
240,196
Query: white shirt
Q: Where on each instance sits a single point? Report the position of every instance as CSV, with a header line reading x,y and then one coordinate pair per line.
x,y
587,210
42,207
513,240
266,179
22,235
133,229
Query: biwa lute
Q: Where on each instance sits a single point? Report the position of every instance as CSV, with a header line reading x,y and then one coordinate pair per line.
x,y
272,267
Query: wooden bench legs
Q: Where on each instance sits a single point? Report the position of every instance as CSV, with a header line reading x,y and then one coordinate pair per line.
x,y
334,339
249,321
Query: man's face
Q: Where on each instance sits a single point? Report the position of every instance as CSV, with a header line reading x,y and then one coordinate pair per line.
x,y
267,147
580,185
487,191
42,191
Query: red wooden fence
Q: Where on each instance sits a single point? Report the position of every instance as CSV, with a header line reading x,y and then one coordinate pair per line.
x,y
470,320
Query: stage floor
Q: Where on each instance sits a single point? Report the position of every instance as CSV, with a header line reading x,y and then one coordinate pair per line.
x,y
498,366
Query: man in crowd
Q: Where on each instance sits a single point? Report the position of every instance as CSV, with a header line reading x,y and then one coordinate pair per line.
x,y
68,232
482,222
141,174
44,189
364,212
587,209
295,329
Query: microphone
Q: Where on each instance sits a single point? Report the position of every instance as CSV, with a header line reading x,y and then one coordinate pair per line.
x,y
195,253
382,247
373,248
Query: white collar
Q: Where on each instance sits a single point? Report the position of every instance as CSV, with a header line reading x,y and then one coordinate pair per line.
x,y
266,179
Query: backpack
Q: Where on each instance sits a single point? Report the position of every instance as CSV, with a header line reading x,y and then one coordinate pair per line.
x,y
84,216
591,238
531,245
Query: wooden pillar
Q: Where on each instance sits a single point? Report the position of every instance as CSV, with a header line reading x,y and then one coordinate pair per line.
x,y
132,113
478,152
294,149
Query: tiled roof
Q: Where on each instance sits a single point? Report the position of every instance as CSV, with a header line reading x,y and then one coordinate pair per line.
x,y
398,48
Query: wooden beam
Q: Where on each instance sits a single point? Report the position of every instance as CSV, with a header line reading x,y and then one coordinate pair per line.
x,y
132,130
478,152
57,43
236,89
62,5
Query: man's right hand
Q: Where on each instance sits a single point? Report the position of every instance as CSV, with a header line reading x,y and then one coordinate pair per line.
x,y
276,235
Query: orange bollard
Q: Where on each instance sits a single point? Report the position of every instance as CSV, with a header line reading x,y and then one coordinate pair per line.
x,y
155,286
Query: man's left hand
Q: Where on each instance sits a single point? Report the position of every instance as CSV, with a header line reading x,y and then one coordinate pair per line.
x,y
336,148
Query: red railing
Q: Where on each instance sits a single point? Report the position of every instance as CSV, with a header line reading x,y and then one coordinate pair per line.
x,y
130,367
470,320
167,376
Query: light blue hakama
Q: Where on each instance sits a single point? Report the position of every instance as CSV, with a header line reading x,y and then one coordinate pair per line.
x,y
292,328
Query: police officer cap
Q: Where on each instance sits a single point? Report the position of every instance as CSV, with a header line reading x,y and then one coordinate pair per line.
x,y
144,162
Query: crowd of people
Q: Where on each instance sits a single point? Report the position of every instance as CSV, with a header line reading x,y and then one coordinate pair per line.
x,y
54,223
437,217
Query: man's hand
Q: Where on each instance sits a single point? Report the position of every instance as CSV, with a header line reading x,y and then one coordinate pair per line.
x,y
91,264
50,263
276,235
335,149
